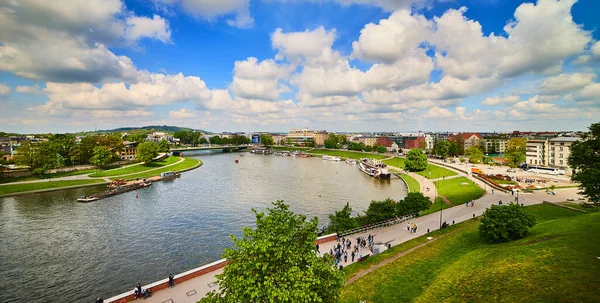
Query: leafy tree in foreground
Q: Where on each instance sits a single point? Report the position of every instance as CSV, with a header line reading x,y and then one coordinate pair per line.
x,y
276,262
416,160
146,152
101,156
585,162
39,157
475,154
505,223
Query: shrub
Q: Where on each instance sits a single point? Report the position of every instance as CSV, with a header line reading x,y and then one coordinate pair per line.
x,y
505,223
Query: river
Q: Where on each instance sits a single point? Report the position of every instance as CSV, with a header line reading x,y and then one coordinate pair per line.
x,y
55,249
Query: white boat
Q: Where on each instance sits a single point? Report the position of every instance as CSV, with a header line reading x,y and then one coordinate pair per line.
x,y
374,168
331,158
87,199
351,161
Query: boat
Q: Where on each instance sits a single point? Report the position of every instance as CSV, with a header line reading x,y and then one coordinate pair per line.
x,y
351,161
331,158
374,168
87,199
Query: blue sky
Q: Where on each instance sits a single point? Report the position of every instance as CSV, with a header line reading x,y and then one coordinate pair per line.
x,y
271,65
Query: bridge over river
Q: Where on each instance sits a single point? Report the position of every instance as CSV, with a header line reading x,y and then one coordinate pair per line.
x,y
225,149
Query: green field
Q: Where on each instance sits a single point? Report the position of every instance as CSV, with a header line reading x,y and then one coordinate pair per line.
x,y
290,148
48,176
396,162
459,190
188,163
556,262
413,185
436,172
346,154
588,209
136,168
17,188
435,207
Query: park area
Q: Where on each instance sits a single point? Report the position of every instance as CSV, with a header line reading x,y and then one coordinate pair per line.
x,y
431,172
556,262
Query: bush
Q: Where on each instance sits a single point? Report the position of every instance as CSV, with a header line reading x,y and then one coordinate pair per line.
x,y
505,223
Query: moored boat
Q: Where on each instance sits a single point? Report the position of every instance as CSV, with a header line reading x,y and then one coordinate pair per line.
x,y
331,158
87,199
374,168
351,161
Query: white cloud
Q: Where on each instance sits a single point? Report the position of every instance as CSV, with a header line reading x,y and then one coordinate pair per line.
x,y
492,101
565,83
306,44
74,37
183,113
438,112
533,104
589,93
34,90
254,80
211,10
596,49
4,90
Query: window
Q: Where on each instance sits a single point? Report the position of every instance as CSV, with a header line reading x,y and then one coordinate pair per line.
x,y
561,155
561,162
561,149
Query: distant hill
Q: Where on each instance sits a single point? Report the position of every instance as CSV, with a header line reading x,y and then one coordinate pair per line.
x,y
158,128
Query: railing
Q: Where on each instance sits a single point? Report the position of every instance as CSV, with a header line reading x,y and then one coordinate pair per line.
x,y
376,225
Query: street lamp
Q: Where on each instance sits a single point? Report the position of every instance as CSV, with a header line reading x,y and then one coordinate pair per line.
x,y
441,206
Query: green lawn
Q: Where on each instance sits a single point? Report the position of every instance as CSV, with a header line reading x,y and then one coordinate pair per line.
x,y
17,188
188,163
436,172
413,185
579,206
346,154
47,176
137,168
290,148
396,162
439,202
556,262
459,190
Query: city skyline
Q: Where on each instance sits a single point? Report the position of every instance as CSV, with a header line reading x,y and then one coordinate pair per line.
x,y
343,65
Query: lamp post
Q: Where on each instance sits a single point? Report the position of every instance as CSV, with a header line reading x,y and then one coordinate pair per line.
x,y
441,206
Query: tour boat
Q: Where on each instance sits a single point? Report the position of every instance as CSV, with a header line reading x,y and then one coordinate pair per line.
x,y
87,199
331,158
374,168
351,161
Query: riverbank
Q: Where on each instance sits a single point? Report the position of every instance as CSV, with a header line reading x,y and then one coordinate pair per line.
x,y
345,154
131,172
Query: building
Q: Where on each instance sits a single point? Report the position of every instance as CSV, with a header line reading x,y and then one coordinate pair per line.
x,y
494,145
368,140
414,142
536,152
384,141
319,137
560,149
300,136
158,136
129,151
468,139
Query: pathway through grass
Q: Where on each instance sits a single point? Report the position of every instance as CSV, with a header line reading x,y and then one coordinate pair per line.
x,y
17,188
137,168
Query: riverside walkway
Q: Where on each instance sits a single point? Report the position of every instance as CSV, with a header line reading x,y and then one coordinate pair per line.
x,y
194,289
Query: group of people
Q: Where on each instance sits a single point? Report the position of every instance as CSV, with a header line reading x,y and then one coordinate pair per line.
x,y
472,203
344,249
411,227
529,180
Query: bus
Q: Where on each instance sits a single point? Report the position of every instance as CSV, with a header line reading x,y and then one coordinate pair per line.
x,y
545,170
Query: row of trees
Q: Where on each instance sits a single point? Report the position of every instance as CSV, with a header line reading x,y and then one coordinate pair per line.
x,y
378,211
514,153
233,140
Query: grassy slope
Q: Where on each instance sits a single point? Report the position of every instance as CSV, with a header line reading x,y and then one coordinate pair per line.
x,y
135,168
457,192
17,188
413,185
48,176
556,262
397,162
435,207
187,163
346,154
436,171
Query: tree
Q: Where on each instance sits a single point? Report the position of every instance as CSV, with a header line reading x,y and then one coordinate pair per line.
x,y
146,152
453,149
460,144
585,162
442,148
413,203
416,160
39,157
163,146
215,140
335,141
515,151
379,211
342,220
202,141
266,140
475,154
276,262
505,223
368,148
101,156
381,149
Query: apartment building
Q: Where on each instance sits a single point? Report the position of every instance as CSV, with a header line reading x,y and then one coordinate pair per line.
x,y
560,149
467,140
368,140
536,152
300,136
129,151
495,146
319,137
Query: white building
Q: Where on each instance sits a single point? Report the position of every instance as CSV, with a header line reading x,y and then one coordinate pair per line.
x,y
536,152
560,149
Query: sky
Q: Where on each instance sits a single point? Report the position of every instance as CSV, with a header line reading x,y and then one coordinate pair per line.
x,y
272,65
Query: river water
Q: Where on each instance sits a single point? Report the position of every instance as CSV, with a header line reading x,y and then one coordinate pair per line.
x,y
54,249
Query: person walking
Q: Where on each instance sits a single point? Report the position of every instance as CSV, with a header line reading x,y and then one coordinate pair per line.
x,y
345,257
171,280
352,255
415,228
467,204
408,226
